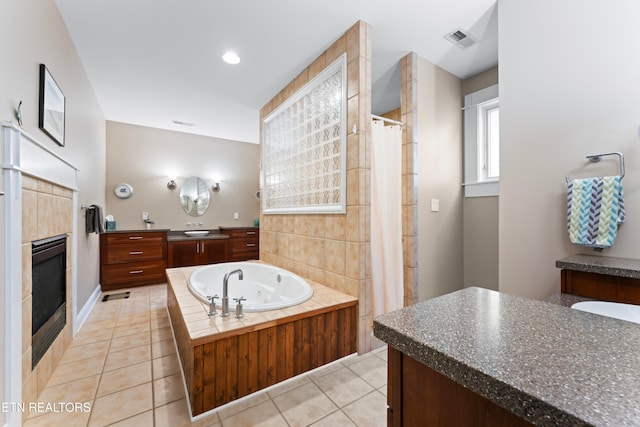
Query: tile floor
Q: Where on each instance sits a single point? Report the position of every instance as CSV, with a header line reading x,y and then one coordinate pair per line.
x,y
124,363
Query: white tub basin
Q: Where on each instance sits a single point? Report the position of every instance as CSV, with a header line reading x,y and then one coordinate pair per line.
x,y
264,286
617,310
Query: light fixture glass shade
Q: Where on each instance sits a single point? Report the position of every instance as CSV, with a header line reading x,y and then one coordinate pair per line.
x,y
231,58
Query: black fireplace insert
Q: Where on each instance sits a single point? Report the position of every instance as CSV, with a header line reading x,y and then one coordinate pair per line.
x,y
49,288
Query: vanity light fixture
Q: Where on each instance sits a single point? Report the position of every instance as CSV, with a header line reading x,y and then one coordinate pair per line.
x,y
231,58
172,185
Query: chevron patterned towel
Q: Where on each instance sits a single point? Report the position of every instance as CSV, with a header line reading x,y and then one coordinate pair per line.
x,y
595,208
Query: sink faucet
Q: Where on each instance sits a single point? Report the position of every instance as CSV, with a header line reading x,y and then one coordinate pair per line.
x,y
225,291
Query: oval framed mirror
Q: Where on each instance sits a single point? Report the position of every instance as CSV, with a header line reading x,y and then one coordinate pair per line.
x,y
195,196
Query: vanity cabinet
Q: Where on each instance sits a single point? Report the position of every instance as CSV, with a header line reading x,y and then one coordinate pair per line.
x,y
600,286
418,395
244,243
132,258
184,253
602,278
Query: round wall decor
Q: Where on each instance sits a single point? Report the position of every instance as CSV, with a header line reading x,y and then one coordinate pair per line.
x,y
123,191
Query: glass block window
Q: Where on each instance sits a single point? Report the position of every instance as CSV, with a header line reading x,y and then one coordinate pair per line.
x,y
304,148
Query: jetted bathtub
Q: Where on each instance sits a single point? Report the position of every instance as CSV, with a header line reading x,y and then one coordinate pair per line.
x,y
265,286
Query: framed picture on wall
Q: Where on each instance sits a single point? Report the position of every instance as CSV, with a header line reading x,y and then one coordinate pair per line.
x,y
52,107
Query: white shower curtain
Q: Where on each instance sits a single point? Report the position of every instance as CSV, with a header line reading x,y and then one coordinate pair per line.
x,y
386,218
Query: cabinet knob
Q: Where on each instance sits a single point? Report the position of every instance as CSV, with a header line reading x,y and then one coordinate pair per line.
x,y
136,272
136,253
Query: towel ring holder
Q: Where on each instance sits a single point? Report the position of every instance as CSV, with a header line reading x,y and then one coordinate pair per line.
x,y
595,158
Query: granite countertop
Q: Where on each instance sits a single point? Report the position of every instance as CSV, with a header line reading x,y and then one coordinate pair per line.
x,y
238,227
136,230
546,363
566,300
622,267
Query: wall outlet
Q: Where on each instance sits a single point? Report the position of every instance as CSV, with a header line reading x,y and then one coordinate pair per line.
x,y
145,216
236,215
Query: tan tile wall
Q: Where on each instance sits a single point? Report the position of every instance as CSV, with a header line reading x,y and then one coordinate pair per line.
x,y
333,250
46,211
408,109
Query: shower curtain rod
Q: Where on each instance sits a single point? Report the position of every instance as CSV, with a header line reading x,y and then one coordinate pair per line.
x,y
384,119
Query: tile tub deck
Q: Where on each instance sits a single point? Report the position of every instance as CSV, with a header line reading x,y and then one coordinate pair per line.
x,y
224,358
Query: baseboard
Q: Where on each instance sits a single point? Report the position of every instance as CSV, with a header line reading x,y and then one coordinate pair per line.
x,y
83,314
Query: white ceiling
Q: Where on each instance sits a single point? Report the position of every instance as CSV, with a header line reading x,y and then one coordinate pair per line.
x,y
154,61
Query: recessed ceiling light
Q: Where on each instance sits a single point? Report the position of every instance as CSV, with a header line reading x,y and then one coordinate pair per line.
x,y
231,58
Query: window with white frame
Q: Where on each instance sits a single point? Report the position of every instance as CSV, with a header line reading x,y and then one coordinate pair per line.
x,y
482,143
488,141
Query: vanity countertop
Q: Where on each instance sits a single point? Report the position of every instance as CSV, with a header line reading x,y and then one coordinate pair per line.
x,y
546,363
239,227
175,236
621,267
566,300
135,230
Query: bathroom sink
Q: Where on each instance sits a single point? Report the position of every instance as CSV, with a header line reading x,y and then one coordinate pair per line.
x,y
197,233
617,310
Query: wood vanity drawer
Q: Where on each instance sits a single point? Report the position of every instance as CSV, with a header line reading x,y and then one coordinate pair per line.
x,y
132,258
143,237
243,245
242,233
141,272
126,252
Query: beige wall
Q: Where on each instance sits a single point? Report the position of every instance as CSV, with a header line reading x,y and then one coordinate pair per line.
x,y
480,216
39,35
144,157
480,231
35,33
480,81
439,136
565,92
333,249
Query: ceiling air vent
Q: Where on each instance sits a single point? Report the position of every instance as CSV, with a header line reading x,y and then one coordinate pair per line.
x,y
181,123
460,38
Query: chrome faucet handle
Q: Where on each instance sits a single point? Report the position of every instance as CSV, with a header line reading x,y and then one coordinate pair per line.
x,y
212,305
239,311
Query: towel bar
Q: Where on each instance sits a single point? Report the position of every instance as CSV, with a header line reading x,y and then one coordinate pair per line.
x,y
594,158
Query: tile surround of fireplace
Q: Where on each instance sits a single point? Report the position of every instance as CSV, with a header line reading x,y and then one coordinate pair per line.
x,y
40,201
47,212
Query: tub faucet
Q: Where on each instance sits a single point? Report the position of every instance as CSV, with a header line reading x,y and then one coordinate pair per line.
x,y
225,291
